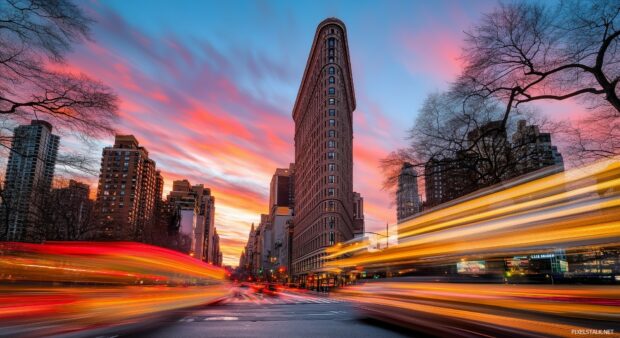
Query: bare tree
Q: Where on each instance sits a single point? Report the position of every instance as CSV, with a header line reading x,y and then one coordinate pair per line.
x,y
35,34
66,212
527,51
62,213
594,137
7,206
521,52
464,139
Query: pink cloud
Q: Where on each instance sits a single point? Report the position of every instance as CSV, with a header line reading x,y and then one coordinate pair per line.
x,y
201,124
435,52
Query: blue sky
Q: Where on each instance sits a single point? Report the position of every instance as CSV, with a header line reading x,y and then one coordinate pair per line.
x,y
208,86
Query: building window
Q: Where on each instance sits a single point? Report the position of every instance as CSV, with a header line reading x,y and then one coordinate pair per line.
x,y
331,206
331,42
331,167
332,122
331,238
331,179
331,133
332,79
332,112
331,192
331,144
332,70
332,101
331,90
331,52
331,155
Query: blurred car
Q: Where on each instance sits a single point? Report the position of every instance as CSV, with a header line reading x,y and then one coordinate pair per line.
x,y
257,287
271,289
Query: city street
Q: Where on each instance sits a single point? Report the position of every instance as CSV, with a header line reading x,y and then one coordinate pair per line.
x,y
282,315
309,169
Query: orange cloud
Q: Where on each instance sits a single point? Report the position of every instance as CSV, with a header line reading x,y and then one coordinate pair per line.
x,y
200,124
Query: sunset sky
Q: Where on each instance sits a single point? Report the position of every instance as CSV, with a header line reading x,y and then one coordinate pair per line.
x,y
208,88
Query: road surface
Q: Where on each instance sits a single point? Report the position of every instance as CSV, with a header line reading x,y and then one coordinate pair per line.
x,y
284,315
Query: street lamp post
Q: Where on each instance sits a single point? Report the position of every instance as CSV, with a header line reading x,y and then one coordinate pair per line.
x,y
387,236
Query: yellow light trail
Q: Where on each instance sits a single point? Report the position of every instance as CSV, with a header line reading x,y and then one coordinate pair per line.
x,y
521,308
574,208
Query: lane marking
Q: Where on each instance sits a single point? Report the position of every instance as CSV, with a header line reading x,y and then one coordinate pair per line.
x,y
222,318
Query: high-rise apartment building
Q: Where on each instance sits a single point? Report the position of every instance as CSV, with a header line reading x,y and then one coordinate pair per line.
x,y
280,222
281,192
148,196
29,172
159,189
532,149
127,191
323,149
450,178
158,229
439,181
182,203
195,207
492,158
407,194
208,213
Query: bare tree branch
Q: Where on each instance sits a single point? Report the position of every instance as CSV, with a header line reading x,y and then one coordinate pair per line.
x,y
463,135
33,35
524,52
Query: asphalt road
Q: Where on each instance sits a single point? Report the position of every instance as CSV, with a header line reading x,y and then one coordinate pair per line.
x,y
285,315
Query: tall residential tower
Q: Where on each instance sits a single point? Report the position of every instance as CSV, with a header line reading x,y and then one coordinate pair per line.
x,y
127,191
29,173
407,195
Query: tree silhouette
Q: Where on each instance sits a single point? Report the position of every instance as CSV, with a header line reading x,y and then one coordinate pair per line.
x,y
35,35
526,51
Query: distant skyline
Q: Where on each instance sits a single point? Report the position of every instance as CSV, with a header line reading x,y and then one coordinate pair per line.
x,y
208,88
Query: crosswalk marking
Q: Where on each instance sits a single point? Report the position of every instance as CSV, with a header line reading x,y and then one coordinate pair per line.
x,y
282,298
